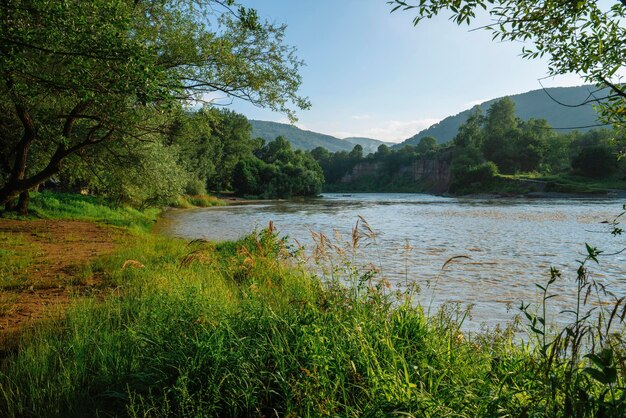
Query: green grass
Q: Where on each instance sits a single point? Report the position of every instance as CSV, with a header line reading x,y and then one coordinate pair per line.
x,y
197,201
562,183
243,329
238,329
15,257
571,183
500,184
55,205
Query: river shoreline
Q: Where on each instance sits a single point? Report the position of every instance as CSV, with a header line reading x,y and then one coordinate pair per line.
x,y
501,239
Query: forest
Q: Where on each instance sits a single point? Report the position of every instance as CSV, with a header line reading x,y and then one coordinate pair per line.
x,y
485,146
114,97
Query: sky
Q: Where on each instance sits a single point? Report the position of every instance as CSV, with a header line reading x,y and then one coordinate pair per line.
x,y
371,73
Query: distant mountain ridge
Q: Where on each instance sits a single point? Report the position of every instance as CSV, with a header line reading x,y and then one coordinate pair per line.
x,y
308,140
536,104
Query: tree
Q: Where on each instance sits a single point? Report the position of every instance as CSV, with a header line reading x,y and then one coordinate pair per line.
x,y
556,156
382,151
357,153
532,144
470,133
278,171
500,133
427,143
76,74
595,161
246,175
277,150
582,37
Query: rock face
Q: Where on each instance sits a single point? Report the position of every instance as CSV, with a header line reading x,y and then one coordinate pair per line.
x,y
435,173
367,169
430,175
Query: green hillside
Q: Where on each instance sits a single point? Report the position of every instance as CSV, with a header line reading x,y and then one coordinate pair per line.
x,y
533,104
308,140
369,145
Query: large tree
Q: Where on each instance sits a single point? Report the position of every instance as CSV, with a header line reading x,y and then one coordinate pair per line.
x,y
76,73
583,37
500,133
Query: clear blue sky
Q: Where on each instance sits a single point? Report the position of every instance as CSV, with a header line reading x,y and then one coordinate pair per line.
x,y
371,73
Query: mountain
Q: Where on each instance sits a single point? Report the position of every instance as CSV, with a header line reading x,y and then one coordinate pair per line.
x,y
536,104
308,140
369,145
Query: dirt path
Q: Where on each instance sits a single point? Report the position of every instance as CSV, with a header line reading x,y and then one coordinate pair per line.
x,y
44,269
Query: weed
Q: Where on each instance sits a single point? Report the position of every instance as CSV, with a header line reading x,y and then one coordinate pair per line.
x,y
243,328
8,303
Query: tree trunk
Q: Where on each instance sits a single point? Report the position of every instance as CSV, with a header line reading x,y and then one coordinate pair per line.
x,y
12,187
15,188
22,204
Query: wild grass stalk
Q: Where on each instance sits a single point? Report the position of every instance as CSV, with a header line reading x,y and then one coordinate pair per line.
x,y
239,329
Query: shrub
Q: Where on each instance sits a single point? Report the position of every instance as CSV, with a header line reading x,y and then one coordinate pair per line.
x,y
596,161
195,187
482,173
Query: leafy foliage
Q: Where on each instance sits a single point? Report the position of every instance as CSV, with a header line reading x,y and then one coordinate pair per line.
x,y
78,74
211,143
595,161
536,104
582,37
278,171
141,174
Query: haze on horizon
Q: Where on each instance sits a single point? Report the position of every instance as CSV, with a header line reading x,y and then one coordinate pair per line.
x,y
371,73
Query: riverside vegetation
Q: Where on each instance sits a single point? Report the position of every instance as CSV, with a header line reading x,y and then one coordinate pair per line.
x,y
243,328
490,153
234,328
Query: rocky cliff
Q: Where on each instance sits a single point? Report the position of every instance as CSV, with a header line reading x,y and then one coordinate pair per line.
x,y
429,175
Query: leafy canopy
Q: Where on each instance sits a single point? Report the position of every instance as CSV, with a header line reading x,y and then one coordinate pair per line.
x,y
76,74
583,37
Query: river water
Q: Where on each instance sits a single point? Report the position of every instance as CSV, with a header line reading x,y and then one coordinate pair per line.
x,y
499,247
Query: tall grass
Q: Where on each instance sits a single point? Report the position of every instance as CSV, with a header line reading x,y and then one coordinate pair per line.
x,y
56,205
197,201
241,329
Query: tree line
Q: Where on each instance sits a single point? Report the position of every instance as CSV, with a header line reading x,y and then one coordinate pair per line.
x,y
485,145
197,151
499,142
99,92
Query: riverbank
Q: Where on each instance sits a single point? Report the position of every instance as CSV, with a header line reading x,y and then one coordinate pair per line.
x,y
562,186
241,328
46,265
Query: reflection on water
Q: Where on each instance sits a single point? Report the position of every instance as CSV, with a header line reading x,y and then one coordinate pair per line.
x,y
510,244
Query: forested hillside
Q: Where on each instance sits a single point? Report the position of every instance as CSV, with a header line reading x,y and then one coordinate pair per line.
x,y
493,152
308,140
535,104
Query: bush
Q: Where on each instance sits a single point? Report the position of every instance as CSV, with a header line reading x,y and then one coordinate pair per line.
x,y
596,161
195,187
143,175
482,173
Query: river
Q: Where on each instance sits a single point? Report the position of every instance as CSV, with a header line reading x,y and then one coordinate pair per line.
x,y
499,247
